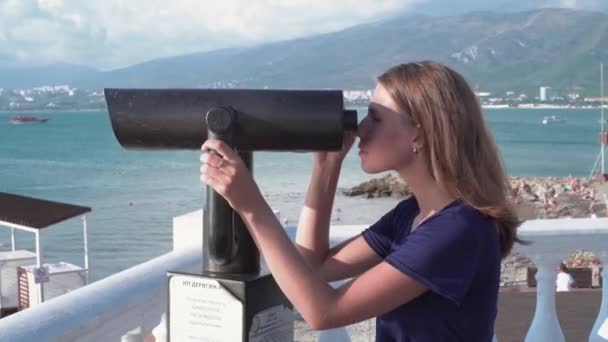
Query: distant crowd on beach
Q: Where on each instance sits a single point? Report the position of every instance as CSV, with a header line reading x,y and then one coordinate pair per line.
x,y
553,197
548,191
534,197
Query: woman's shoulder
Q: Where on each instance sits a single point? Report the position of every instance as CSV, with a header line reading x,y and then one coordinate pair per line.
x,y
461,226
402,211
462,216
405,208
407,204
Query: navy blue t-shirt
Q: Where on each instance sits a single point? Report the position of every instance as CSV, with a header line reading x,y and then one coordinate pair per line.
x,y
456,255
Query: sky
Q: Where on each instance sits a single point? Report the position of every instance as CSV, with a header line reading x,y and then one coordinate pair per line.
x,y
111,34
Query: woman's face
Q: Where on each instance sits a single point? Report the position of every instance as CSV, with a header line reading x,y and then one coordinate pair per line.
x,y
386,139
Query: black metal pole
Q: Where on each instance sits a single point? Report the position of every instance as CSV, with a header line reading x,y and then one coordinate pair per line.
x,y
227,245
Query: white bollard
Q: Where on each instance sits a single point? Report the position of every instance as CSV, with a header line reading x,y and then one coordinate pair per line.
x,y
599,332
545,325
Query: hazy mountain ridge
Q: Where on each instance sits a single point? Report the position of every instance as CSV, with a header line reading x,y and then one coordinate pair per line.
x,y
496,52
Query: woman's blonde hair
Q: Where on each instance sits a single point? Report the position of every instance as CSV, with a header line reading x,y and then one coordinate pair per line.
x,y
458,148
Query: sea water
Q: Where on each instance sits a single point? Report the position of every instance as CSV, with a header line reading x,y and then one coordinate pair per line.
x,y
134,195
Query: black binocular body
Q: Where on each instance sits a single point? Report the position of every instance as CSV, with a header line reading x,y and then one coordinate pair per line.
x,y
247,120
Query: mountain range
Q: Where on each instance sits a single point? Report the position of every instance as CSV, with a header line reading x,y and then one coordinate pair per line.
x,y
442,7
496,52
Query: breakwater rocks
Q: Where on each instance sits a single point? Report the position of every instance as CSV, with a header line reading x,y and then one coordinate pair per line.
x,y
386,186
533,197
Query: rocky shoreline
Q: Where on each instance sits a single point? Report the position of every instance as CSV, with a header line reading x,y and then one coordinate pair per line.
x,y
532,197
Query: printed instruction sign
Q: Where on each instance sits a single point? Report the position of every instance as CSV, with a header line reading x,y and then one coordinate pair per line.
x,y
41,274
273,324
203,310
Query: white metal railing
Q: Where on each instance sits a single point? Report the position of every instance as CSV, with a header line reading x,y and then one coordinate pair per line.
x,y
107,310
132,304
552,239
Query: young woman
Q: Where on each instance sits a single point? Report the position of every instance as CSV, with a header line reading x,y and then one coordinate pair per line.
x,y
429,269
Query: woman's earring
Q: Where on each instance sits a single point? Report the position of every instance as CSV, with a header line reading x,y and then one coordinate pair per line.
x,y
415,150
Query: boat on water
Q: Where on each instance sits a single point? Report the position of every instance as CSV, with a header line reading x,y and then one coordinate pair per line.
x,y
553,119
26,119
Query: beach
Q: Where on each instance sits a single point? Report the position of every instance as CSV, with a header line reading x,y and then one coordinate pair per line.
x,y
532,197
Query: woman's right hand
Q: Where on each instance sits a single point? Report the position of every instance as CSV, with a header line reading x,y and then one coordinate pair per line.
x,y
321,158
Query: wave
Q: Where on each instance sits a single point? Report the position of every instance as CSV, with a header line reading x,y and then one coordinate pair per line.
x,y
544,142
88,164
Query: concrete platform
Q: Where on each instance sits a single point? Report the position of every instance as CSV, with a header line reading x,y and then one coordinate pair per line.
x,y
577,311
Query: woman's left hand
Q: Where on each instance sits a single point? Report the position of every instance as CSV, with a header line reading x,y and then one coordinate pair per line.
x,y
229,176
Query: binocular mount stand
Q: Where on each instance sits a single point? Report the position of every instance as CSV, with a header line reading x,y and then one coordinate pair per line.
x,y
231,300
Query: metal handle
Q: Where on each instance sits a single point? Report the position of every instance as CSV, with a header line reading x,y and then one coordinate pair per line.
x,y
220,125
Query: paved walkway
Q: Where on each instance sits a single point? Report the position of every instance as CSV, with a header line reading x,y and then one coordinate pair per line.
x,y
576,310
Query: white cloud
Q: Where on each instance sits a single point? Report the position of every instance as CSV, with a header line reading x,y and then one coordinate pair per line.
x,y
579,4
114,33
568,3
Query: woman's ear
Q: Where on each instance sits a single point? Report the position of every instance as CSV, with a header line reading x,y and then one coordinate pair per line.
x,y
418,141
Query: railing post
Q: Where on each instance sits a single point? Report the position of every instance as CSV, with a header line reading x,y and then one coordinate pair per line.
x,y
545,325
602,317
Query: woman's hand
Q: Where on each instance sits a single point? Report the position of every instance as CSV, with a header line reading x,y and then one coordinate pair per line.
x,y
321,158
229,176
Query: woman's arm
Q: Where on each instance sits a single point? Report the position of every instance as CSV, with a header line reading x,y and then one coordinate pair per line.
x,y
312,236
377,291
345,260
349,258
